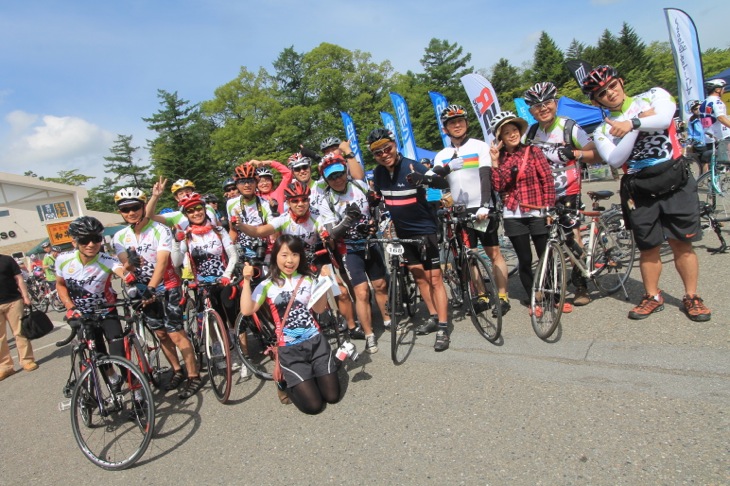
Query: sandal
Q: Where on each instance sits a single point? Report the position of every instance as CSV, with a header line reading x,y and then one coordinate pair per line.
x,y
192,387
283,397
177,378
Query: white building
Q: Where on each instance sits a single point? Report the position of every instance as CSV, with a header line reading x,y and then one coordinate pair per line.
x,y
29,205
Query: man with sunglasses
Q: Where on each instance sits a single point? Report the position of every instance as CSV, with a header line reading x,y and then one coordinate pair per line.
x,y
144,248
249,209
658,195
565,145
345,212
467,166
399,181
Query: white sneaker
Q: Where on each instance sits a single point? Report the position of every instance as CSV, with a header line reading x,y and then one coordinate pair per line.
x,y
244,372
371,346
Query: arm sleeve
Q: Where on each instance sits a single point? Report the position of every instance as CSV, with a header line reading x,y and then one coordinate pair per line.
x,y
664,109
614,155
232,259
485,180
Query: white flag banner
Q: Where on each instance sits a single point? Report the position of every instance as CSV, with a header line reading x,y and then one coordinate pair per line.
x,y
483,100
687,60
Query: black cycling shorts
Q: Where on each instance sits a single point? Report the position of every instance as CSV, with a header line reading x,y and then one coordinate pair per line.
x,y
412,252
304,361
359,269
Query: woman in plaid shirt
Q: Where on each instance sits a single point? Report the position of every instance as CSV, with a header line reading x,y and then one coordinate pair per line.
x,y
521,174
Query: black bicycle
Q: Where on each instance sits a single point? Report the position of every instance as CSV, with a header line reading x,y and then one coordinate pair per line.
x,y
112,409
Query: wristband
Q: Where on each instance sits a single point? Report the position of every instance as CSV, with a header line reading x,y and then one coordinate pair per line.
x,y
349,156
635,123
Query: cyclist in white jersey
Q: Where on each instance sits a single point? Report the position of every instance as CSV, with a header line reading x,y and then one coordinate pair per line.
x,y
249,208
144,248
713,115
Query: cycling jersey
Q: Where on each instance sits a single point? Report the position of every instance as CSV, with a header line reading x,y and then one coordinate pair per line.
x,y
91,284
567,176
464,183
49,261
406,202
334,204
210,253
153,237
650,147
254,212
300,324
308,231
178,220
710,109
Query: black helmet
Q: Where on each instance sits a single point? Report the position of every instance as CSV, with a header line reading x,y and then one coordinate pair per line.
x,y
56,249
426,161
210,198
229,183
329,142
380,134
85,226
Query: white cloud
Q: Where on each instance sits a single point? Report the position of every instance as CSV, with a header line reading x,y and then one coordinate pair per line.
x,y
47,144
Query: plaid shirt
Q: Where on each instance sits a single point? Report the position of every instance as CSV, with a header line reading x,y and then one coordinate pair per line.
x,y
536,185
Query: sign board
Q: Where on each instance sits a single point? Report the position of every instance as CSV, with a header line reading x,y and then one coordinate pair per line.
x,y
58,233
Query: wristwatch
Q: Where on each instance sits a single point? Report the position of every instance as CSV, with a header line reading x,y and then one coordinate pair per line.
x,y
350,156
635,123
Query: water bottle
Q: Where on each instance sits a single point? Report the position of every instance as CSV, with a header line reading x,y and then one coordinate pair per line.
x,y
199,318
217,349
346,350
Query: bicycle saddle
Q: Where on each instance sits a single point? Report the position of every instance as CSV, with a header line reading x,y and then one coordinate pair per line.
x,y
599,195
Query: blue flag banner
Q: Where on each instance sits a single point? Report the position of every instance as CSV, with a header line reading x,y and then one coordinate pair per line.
x,y
687,61
352,136
404,123
389,123
523,111
439,104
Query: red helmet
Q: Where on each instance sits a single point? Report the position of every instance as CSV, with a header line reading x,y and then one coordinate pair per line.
x,y
296,189
245,171
331,163
191,200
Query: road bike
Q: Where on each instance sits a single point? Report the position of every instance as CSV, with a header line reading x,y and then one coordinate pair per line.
x,y
112,421
607,260
41,295
713,185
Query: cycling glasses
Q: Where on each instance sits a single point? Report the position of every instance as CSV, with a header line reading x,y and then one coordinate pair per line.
x,y
130,209
336,176
300,168
194,209
544,104
611,86
246,181
85,240
385,150
301,200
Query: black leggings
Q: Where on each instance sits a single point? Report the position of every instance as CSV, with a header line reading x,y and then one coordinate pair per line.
x,y
521,244
220,299
310,395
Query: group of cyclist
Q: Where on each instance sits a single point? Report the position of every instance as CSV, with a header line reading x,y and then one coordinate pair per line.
x,y
303,224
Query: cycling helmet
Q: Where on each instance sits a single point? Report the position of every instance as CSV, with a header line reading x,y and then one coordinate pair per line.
x,y
191,200
540,92
57,249
715,83
451,112
45,244
426,161
597,79
505,117
85,226
181,183
129,195
210,198
692,104
245,171
298,160
296,189
331,164
264,172
379,135
229,183
329,142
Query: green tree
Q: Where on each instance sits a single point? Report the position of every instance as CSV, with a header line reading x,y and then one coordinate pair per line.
x,y
548,62
632,56
289,77
507,81
121,163
575,51
69,177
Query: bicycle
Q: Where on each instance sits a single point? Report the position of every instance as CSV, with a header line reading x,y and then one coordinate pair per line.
x,y
468,276
713,185
210,338
112,422
42,296
607,260
141,345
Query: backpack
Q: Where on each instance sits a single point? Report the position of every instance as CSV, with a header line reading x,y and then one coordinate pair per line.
x,y
567,133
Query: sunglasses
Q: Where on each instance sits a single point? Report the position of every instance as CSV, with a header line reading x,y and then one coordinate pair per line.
x,y
385,150
85,240
194,209
298,200
611,86
300,168
229,189
130,209
544,104
335,176
246,181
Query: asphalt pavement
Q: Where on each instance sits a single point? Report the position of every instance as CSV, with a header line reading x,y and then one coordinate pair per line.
x,y
606,401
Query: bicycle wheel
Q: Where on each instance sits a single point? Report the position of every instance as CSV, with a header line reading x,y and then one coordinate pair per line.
x,y
509,255
450,272
396,312
112,428
219,355
38,298
56,303
718,201
482,294
140,357
254,344
410,292
548,292
612,255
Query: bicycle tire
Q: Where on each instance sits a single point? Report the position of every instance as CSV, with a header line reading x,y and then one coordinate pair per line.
x,y
38,298
717,201
56,303
120,425
137,355
218,352
486,324
410,292
152,348
255,356
450,272
548,292
613,254
509,254
394,295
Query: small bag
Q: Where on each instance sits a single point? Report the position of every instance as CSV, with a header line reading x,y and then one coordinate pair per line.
x,y
659,179
35,324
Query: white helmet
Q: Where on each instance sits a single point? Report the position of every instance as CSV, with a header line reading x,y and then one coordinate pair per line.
x,y
713,84
129,194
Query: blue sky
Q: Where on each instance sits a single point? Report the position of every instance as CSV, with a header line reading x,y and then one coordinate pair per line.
x,y
75,74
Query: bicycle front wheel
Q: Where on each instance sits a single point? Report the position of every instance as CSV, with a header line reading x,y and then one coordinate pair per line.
x,y
253,345
56,302
612,255
483,297
219,355
548,292
718,201
112,424
450,272
38,299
